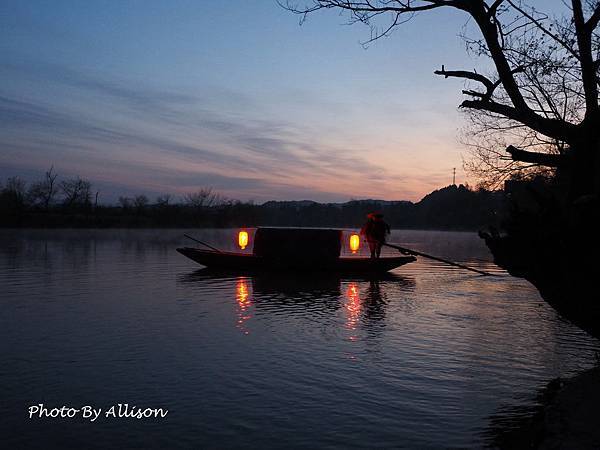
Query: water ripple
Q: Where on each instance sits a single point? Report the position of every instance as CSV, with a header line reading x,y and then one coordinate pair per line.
x,y
423,357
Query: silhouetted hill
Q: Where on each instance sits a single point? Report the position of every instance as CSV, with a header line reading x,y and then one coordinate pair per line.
x,y
289,203
459,207
453,208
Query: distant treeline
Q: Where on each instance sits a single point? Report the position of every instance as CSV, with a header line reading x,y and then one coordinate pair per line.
x,y
50,203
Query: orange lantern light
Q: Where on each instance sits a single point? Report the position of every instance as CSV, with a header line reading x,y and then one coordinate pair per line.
x,y
243,239
354,242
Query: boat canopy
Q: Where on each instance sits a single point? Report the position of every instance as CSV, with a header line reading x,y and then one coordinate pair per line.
x,y
298,243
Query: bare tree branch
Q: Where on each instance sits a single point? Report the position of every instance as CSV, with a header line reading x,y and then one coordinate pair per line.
x,y
542,96
592,22
549,127
588,71
542,159
494,7
544,29
403,7
489,84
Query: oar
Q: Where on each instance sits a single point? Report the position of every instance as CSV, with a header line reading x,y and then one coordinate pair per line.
x,y
414,252
203,243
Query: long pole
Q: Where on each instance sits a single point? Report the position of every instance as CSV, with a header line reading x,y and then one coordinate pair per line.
x,y
414,252
202,243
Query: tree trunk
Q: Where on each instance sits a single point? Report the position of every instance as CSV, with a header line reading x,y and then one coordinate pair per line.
x,y
554,245
583,177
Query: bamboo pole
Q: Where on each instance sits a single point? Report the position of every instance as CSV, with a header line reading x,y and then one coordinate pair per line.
x,y
203,243
425,255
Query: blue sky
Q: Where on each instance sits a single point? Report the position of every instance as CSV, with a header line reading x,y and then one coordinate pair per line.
x,y
168,97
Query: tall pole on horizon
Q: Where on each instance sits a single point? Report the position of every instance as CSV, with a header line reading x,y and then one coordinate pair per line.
x,y
454,176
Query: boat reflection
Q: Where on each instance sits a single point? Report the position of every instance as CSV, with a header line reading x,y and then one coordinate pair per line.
x,y
365,304
375,301
360,302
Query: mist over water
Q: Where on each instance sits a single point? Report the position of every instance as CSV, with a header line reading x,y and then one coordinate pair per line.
x,y
422,357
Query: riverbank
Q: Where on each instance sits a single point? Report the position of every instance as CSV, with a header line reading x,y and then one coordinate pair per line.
x,y
565,419
450,208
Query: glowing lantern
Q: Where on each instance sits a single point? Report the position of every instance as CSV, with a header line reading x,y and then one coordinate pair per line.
x,y
243,239
354,242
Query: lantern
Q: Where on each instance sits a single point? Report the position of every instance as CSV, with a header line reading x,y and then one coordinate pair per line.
x,y
354,242
243,239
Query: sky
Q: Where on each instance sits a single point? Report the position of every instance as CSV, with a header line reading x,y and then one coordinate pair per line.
x,y
153,97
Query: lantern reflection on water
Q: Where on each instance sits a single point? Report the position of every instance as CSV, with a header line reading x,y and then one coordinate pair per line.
x,y
243,239
353,307
242,295
354,242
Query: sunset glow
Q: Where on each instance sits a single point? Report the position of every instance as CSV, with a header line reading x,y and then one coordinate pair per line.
x,y
240,99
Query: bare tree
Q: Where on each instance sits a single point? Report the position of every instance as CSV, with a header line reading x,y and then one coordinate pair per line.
x,y
163,200
140,202
76,192
125,202
203,198
43,192
15,191
540,102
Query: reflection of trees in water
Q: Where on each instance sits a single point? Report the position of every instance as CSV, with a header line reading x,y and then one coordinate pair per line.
x,y
79,254
47,253
133,246
15,252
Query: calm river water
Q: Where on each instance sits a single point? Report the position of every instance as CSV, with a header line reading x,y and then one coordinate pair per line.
x,y
430,356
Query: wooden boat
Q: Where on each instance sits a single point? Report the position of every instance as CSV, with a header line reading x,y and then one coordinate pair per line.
x,y
252,262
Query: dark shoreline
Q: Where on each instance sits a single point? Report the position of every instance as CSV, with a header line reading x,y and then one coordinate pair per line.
x,y
565,418
450,208
224,227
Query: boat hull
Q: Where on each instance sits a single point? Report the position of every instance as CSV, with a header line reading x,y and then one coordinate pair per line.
x,y
247,262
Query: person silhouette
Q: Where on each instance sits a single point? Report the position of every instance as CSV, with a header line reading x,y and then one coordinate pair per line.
x,y
375,231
